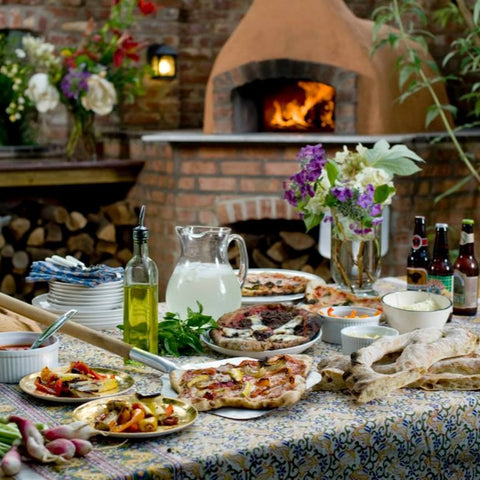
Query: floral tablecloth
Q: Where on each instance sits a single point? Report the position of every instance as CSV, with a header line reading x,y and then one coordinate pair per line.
x,y
408,434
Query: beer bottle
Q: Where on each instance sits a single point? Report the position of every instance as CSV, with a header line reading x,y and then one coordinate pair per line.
x,y
465,274
418,259
440,269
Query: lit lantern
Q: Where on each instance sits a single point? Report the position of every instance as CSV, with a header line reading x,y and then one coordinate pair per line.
x,y
163,60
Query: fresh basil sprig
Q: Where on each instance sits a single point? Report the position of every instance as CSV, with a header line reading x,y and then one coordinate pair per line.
x,y
177,336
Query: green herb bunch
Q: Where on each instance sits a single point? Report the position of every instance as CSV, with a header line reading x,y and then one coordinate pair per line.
x,y
177,336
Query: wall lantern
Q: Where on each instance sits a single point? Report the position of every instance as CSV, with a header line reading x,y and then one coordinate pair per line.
x,y
163,60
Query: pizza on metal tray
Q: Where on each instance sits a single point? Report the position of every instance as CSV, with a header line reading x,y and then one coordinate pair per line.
x,y
255,384
270,326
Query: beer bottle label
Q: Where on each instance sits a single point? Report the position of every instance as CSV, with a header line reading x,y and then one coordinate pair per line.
x,y
416,278
465,290
440,284
466,238
418,241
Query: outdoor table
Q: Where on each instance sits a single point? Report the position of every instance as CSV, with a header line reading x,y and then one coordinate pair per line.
x,y
407,434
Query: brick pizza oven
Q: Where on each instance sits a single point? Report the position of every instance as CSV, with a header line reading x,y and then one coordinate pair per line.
x,y
313,57
233,170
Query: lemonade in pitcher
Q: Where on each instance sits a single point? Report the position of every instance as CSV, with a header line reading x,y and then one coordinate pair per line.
x,y
216,287
203,273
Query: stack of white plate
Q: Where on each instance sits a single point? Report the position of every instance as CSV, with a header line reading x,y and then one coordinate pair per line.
x,y
99,307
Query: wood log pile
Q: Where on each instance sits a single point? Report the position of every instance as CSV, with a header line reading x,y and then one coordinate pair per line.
x,y
33,231
281,244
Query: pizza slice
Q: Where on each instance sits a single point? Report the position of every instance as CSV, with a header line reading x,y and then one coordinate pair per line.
x,y
255,384
265,284
319,295
272,326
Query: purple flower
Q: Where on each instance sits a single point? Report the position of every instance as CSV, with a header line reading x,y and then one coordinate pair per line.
x,y
290,197
365,200
342,193
74,83
377,220
376,210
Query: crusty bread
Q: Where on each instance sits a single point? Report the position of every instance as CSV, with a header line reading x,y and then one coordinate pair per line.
x,y
421,349
431,359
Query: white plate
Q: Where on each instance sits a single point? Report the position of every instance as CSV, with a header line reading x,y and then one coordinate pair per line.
x,y
229,412
43,301
259,355
278,298
76,288
187,414
125,383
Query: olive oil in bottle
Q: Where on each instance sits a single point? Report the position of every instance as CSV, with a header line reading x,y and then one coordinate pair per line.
x,y
140,307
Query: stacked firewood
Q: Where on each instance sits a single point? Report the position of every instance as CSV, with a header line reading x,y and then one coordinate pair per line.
x,y
281,245
34,232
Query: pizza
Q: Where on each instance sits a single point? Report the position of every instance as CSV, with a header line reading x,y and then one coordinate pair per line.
x,y
263,284
269,326
255,384
318,295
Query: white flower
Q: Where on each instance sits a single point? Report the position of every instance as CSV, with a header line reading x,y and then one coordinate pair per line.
x,y
20,53
40,53
101,95
42,93
374,176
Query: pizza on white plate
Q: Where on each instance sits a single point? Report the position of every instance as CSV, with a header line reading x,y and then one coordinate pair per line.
x,y
269,326
255,384
273,283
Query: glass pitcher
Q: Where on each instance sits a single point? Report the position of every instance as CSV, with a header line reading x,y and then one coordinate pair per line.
x,y
204,274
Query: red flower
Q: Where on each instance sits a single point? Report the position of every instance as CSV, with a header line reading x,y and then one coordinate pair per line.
x,y
128,48
146,7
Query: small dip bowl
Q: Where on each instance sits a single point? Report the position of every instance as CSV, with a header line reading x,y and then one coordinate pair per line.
x,y
339,317
354,338
16,363
404,310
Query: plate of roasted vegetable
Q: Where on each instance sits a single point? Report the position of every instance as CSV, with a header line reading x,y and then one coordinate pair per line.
x,y
136,416
75,383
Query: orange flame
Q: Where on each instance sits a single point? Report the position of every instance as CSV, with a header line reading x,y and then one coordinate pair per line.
x,y
316,111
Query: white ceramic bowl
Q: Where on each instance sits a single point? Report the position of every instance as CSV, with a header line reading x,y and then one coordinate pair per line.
x,y
402,310
336,318
15,364
354,338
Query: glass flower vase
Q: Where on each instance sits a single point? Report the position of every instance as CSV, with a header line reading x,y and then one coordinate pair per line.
x,y
82,143
355,261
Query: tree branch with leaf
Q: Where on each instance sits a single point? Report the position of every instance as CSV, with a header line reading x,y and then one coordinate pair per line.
x,y
410,20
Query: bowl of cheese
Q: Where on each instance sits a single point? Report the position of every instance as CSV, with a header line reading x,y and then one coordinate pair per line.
x,y
408,310
354,338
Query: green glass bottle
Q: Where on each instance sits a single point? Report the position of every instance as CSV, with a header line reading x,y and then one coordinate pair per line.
x,y
140,308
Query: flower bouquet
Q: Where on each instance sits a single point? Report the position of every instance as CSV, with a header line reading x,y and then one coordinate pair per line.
x,y
350,191
90,79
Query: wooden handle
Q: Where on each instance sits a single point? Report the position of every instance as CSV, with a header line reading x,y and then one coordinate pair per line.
x,y
76,330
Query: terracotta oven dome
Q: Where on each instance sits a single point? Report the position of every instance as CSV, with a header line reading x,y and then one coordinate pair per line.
x,y
284,48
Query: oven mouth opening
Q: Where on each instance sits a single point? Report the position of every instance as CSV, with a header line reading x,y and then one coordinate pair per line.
x,y
284,105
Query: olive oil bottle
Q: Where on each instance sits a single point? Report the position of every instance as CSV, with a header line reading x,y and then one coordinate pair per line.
x,y
140,307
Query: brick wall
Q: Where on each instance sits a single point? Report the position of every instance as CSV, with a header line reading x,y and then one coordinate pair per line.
x,y
218,183
197,29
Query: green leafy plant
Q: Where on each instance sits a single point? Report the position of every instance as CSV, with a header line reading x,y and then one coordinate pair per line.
x,y
410,20
177,336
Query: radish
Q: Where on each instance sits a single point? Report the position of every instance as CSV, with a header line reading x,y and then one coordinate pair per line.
x,y
82,447
33,441
78,429
11,463
62,447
